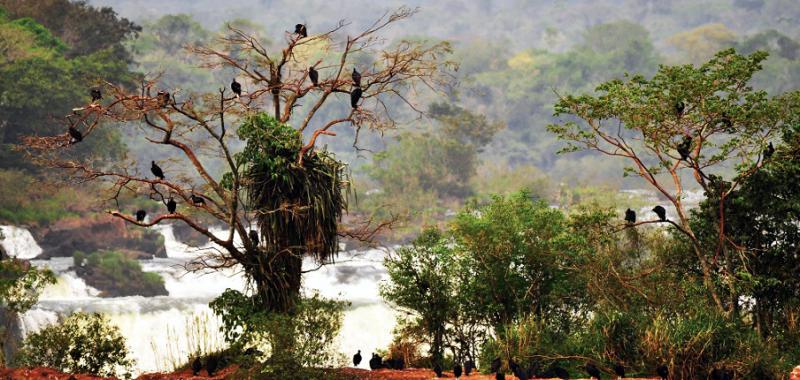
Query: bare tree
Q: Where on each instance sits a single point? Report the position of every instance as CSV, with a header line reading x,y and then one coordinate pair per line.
x,y
196,128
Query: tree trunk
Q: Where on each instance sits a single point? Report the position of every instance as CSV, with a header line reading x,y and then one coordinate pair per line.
x,y
277,278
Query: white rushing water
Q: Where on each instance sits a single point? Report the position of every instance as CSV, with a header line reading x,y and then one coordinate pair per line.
x,y
19,243
160,330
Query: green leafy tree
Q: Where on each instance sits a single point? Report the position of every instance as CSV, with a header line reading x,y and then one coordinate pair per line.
x,y
81,343
707,112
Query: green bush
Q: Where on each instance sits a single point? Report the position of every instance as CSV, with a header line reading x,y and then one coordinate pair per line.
x,y
81,343
287,343
117,275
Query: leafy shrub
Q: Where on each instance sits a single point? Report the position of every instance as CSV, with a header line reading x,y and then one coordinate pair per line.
x,y
82,343
21,284
287,343
117,275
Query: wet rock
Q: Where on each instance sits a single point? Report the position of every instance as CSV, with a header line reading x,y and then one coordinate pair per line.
x,y
99,233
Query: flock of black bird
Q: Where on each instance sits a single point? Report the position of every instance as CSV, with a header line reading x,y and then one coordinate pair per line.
x,y
553,372
212,364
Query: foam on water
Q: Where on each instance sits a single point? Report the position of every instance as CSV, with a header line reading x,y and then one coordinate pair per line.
x,y
19,243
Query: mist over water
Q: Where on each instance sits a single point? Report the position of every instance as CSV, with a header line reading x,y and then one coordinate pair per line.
x,y
160,330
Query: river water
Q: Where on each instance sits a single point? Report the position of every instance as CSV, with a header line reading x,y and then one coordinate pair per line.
x,y
160,330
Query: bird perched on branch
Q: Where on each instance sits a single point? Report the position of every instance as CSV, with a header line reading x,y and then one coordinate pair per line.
x,y
313,75
96,94
769,151
661,212
163,98
355,96
156,170
197,200
75,135
140,215
171,205
679,107
356,78
685,148
236,87
253,236
630,216
300,30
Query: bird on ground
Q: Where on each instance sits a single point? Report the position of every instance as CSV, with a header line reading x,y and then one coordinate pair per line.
x,y
469,365
171,205
592,370
769,151
721,374
300,30
630,216
211,365
75,135
437,369
661,212
355,96
496,364
560,373
375,362
197,200
96,94
236,87
513,365
457,370
313,75
685,148
679,107
156,170
197,365
357,359
253,234
519,373
619,369
499,376
140,215
356,78
163,98
662,371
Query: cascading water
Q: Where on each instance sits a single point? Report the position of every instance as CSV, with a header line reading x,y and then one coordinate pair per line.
x,y
160,330
19,243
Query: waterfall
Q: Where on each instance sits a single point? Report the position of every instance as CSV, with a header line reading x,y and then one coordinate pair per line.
x,y
161,331
19,243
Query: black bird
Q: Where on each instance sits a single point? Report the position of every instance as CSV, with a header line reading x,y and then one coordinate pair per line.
x,y
726,122
96,94
211,365
140,215
663,372
685,148
721,374
769,151
661,212
355,96
499,376
163,98
356,78
171,205
437,369
197,200
313,75
592,370
156,170
496,364
254,238
75,135
197,365
619,369
630,216
300,29
236,87
679,107
375,362
560,373
469,365
519,373
357,359
513,365
457,370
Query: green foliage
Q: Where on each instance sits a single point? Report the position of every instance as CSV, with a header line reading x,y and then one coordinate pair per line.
x,y
28,202
81,343
43,37
116,275
301,338
21,284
